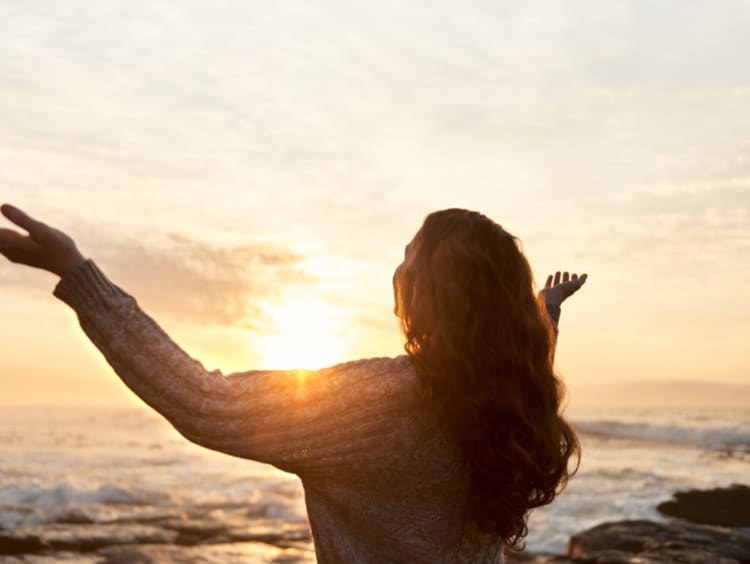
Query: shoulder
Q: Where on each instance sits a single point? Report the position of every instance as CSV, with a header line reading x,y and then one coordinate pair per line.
x,y
377,377
382,364
399,368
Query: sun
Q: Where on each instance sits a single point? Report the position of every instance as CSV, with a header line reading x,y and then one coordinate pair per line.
x,y
304,334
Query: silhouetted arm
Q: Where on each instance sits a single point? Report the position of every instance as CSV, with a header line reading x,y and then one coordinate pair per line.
x,y
307,422
300,421
557,289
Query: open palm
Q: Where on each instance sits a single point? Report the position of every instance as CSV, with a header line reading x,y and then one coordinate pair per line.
x,y
561,287
43,247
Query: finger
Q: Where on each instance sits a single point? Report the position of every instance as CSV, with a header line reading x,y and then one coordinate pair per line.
x,y
18,248
557,278
579,280
574,277
9,238
549,282
566,276
34,227
9,233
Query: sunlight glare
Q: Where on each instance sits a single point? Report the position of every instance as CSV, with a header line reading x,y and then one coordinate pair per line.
x,y
303,336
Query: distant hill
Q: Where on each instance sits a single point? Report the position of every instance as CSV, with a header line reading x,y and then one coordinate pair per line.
x,y
663,393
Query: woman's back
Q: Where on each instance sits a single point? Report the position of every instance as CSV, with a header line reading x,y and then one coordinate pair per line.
x,y
404,499
383,480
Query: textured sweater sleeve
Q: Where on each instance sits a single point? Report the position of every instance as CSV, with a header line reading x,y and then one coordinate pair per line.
x,y
300,421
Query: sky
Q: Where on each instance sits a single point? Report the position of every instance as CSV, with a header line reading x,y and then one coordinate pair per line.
x,y
251,171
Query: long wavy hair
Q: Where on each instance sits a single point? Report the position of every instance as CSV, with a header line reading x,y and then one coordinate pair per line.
x,y
483,347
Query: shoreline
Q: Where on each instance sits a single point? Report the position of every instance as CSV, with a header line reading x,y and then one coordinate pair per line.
x,y
718,530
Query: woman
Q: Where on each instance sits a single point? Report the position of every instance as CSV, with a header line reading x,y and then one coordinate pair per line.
x,y
435,456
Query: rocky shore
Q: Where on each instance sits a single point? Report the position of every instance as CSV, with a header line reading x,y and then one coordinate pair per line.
x,y
709,526
203,534
703,527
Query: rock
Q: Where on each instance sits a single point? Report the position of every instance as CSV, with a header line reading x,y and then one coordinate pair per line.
x,y
531,558
56,557
729,507
646,542
195,531
80,537
277,533
230,552
209,529
12,542
164,537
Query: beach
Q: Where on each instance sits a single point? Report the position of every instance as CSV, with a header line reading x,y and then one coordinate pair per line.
x,y
102,484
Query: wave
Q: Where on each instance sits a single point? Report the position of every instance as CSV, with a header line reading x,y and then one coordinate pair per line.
x,y
721,439
31,502
38,494
36,502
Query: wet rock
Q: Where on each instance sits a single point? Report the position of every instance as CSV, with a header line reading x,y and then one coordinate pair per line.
x,y
12,542
55,557
647,542
205,554
729,507
80,537
169,538
196,531
276,533
531,558
221,528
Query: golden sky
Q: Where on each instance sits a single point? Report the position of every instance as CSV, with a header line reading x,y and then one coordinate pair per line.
x,y
251,172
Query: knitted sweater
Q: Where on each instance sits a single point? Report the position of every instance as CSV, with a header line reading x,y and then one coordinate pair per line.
x,y
383,482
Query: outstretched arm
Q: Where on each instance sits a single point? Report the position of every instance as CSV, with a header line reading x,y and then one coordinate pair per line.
x,y
306,422
558,289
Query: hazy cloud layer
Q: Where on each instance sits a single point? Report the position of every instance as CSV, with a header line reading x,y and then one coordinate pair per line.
x,y
700,220
203,283
192,280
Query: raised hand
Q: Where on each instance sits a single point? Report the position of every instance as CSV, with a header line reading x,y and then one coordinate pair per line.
x,y
44,247
560,288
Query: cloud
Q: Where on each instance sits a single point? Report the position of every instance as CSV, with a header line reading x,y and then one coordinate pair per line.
x,y
205,283
700,219
698,187
191,280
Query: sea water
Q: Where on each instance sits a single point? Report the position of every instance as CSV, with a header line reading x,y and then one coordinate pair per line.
x,y
106,465
632,459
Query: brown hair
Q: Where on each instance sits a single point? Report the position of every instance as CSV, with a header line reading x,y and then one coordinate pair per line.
x,y
482,344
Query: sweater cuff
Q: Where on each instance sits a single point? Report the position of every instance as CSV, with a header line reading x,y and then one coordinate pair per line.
x,y
86,287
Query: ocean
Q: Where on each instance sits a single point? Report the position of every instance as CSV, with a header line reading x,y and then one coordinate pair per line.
x,y
80,467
